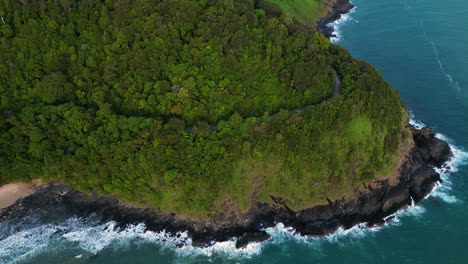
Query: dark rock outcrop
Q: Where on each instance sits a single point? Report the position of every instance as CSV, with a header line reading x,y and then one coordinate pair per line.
x,y
433,150
247,238
337,9
372,205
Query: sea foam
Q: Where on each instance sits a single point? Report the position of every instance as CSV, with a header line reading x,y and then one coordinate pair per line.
x,y
460,157
20,243
336,25
89,238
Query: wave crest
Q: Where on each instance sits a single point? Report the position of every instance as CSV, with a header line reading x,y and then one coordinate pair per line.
x,y
460,158
87,237
336,25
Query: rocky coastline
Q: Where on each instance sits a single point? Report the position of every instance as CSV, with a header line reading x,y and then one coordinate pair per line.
x,y
375,201
336,8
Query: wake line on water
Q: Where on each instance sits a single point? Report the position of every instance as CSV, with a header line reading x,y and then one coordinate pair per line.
x,y
436,53
88,238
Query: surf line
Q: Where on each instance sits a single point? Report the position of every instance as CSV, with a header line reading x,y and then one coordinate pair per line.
x,y
336,25
436,53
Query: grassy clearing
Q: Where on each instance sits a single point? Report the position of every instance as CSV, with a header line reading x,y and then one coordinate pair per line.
x,y
306,11
359,129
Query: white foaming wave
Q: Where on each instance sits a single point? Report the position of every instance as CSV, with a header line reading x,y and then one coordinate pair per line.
x,y
25,243
336,25
186,249
227,249
363,229
413,210
460,157
93,238
415,123
23,246
281,233
31,241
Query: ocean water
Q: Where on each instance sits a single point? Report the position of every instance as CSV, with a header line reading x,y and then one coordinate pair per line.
x,y
421,47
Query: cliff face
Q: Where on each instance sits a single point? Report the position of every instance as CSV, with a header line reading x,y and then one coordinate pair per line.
x,y
372,203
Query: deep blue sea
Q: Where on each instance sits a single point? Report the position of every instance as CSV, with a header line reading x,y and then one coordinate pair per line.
x,y
421,47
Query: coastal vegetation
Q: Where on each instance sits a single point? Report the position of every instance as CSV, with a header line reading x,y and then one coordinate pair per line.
x,y
306,11
194,107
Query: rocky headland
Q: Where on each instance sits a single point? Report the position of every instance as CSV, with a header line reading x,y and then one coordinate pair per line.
x,y
372,203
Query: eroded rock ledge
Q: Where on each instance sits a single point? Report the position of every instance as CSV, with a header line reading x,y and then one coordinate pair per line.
x,y
337,8
378,200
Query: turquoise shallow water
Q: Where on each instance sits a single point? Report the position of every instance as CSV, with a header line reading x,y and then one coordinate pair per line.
x,y
421,47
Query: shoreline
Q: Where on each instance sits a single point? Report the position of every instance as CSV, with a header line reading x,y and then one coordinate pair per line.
x,y
373,204
337,8
12,192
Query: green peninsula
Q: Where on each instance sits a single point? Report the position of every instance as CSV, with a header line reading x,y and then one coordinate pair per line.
x,y
192,107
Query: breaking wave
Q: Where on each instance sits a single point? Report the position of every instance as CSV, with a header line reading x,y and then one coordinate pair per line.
x,y
336,25
88,239
85,238
460,157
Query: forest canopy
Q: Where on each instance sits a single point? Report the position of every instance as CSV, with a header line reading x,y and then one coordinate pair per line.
x,y
188,106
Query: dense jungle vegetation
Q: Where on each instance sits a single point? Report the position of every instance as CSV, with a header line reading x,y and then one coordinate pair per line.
x,y
187,106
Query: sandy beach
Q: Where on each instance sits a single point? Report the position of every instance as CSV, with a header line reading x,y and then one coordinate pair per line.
x,y
10,193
